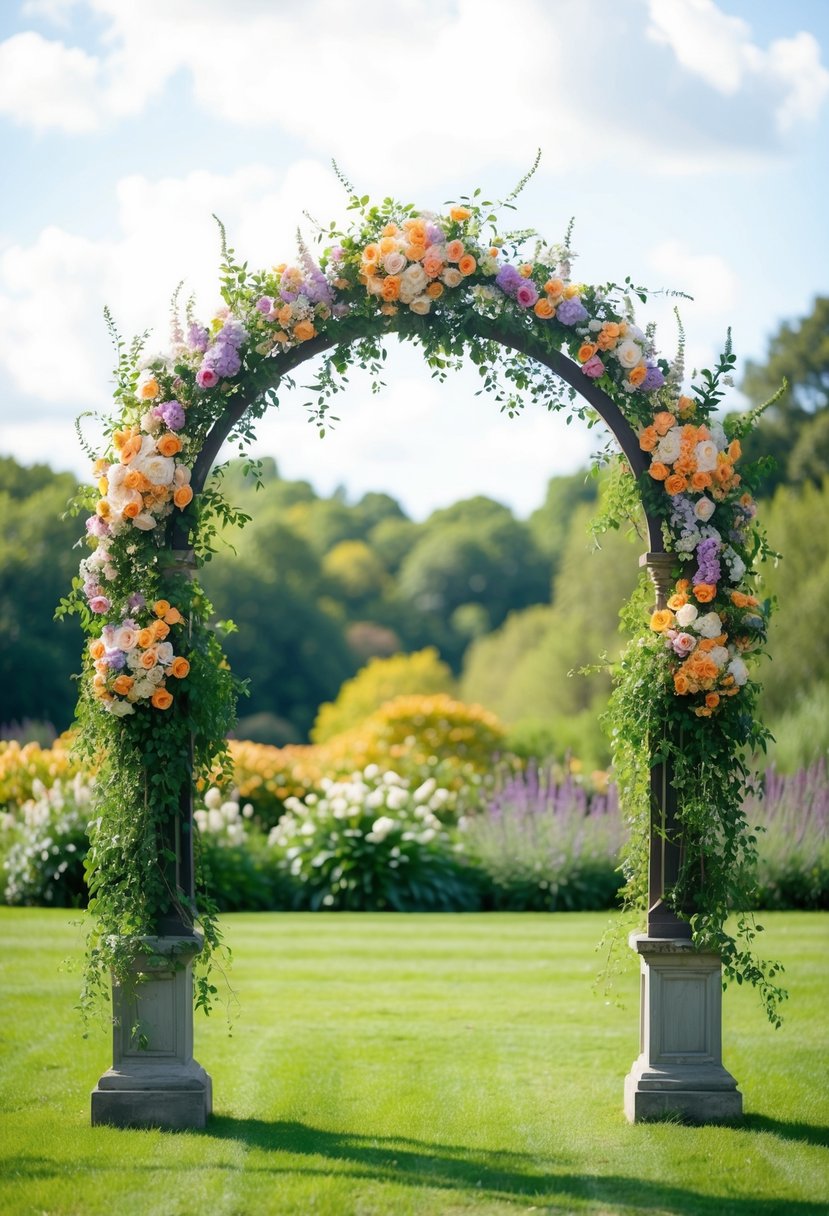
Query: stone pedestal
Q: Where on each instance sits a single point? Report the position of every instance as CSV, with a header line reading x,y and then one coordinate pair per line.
x,y
154,1080
679,1072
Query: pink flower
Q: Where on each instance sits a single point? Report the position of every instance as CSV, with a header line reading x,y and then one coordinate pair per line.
x,y
593,368
683,643
99,604
527,294
206,377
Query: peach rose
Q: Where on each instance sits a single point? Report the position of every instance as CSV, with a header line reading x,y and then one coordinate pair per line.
x,y
675,484
700,481
681,684
130,449
452,277
433,265
459,213
160,630
135,480
122,685
467,264
416,252
173,617
161,608
161,699
663,421
586,351
388,244
179,667
132,508
97,649
659,471
371,254
454,251
149,389
637,374
661,620
168,445
182,496
648,439
705,592
554,287
543,308
678,601
303,331
390,288
434,291
149,658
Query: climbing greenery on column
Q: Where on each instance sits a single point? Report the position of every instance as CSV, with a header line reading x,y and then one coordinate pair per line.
x,y
453,283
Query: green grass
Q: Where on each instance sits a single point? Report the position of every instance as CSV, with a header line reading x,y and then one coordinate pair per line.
x,y
413,1064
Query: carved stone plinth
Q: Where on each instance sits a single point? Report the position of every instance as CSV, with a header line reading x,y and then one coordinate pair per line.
x,y
679,1072
154,1080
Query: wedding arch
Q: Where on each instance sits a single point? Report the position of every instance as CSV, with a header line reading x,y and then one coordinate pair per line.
x,y
157,697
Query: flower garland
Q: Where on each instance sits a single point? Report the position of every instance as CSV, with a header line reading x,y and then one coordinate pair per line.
x,y
425,276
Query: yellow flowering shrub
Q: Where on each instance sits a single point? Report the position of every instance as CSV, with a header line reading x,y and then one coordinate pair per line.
x,y
23,764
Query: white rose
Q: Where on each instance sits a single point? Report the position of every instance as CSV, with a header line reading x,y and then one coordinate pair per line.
x,y
669,446
165,652
706,455
452,277
709,626
739,671
719,654
393,263
150,422
704,508
420,305
182,475
144,522
125,638
686,615
628,353
718,435
413,281
120,708
156,468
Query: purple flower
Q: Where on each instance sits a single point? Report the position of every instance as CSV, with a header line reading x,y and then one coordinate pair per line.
x,y
708,569
171,413
434,234
197,337
527,294
265,304
136,601
337,254
99,604
233,332
508,279
96,526
653,379
115,659
223,359
593,368
288,296
91,589
571,312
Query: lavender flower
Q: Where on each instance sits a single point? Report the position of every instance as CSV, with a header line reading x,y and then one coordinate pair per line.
x,y
509,280
171,413
197,337
136,601
654,379
571,312
708,569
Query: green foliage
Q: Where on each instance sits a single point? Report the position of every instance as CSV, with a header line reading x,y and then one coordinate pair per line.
x,y
379,681
43,845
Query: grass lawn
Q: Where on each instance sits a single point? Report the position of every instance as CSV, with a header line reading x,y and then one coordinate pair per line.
x,y
414,1064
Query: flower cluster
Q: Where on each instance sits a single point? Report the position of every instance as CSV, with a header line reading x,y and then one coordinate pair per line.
x,y
133,660
708,516
222,359
295,301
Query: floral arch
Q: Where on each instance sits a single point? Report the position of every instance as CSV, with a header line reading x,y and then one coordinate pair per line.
x,y
157,697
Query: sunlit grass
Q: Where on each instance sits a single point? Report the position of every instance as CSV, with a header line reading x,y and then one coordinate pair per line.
x,y
413,1064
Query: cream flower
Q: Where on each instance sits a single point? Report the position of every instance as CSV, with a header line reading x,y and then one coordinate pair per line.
x,y
705,454
628,353
710,625
686,615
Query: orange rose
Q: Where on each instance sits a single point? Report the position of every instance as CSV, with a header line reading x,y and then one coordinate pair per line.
x,y
182,496
683,584
179,667
554,287
467,264
434,291
663,421
685,407
735,451
700,481
678,601
454,251
390,288
285,315
702,668
161,608
685,465
149,658
543,308
586,351
160,630
459,213
168,445
371,255
130,449
145,637
173,617
705,592
703,712
739,599
637,374
388,245
417,231
648,439
433,265
415,252
135,481
122,685
303,331
681,684
149,389
390,230
676,483
162,699
659,471
661,620
97,649
132,509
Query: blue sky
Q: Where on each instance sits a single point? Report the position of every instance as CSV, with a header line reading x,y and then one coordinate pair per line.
x,y
687,137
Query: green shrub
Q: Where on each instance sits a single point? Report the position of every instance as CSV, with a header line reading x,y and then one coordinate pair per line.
x,y
45,843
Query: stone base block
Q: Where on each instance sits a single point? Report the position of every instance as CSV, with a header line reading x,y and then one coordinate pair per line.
x,y
176,1110
695,1094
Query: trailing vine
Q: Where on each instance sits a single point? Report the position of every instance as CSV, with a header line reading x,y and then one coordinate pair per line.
x,y
155,684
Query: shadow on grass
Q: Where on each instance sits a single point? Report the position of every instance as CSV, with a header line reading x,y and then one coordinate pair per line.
x,y
804,1133
498,1174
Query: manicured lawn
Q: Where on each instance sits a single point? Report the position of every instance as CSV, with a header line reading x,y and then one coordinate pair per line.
x,y
387,1065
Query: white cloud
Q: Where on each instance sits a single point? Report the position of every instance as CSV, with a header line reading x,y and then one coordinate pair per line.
x,y
718,48
45,84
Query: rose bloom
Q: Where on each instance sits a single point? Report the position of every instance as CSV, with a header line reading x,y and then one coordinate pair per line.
x,y
164,651
179,668
628,353
593,368
420,305
705,592
182,475
454,251
144,522
661,620
739,671
99,604
668,447
414,280
700,481
709,626
675,484
704,508
682,684
168,445
659,471
663,421
543,308
683,643
648,439
467,264
452,277
686,615
393,263
304,331
161,699
706,455
526,295
125,638
637,375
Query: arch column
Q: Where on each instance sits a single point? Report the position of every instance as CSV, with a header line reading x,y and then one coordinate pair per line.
x,y
679,1072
